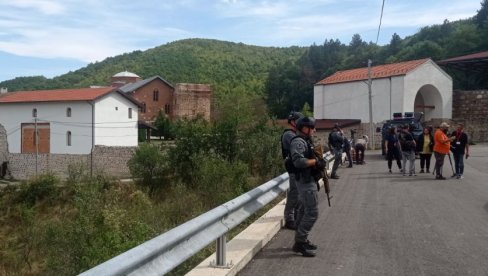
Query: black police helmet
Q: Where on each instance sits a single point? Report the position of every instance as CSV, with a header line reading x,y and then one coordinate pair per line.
x,y
294,115
305,122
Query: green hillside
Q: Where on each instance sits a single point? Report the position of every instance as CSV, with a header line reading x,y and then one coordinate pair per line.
x,y
224,65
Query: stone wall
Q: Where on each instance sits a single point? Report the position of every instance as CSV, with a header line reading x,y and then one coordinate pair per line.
x,y
471,109
3,145
113,160
23,165
110,160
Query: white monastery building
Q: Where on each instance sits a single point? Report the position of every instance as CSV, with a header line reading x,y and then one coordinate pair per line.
x,y
68,121
411,86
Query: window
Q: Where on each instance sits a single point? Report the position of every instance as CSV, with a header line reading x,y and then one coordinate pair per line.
x,y
68,112
167,109
143,108
156,95
116,108
34,112
130,113
68,138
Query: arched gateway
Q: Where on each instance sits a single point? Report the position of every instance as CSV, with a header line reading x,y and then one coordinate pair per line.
x,y
417,85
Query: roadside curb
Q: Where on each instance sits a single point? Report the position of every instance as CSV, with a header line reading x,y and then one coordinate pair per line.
x,y
242,248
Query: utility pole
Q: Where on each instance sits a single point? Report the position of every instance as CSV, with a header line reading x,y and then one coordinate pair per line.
x,y
36,137
371,124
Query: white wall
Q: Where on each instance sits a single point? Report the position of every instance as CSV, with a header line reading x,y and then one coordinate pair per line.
x,y
54,113
350,100
430,73
112,124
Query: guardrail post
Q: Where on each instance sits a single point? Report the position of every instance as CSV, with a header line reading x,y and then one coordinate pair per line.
x,y
221,252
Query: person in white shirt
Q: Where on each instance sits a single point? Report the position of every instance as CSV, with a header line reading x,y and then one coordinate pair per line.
x,y
359,148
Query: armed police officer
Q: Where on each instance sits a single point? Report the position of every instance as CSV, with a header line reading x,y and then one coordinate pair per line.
x,y
336,140
291,206
306,165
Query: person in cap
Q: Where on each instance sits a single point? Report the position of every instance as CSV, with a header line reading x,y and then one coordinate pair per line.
x,y
304,160
291,206
442,144
459,147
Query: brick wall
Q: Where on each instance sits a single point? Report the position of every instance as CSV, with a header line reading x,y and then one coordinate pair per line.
x,y
192,100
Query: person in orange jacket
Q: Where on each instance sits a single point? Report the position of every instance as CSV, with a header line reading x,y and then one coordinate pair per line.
x,y
442,144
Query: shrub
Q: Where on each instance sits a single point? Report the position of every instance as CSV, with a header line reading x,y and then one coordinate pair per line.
x,y
147,166
40,188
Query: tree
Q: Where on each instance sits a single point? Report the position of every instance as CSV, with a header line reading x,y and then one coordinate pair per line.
x,y
164,126
481,17
147,165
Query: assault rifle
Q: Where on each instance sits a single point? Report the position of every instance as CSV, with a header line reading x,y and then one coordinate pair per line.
x,y
322,174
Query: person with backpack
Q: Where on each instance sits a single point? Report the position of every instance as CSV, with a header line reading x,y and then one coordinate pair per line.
x,y
306,164
408,146
291,206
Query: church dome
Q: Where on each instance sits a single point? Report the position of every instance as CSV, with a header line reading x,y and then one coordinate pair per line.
x,y
125,74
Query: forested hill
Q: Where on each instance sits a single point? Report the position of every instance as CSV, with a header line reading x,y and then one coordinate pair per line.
x,y
225,65
283,76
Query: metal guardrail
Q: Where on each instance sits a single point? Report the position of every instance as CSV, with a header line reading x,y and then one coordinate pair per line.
x,y
166,251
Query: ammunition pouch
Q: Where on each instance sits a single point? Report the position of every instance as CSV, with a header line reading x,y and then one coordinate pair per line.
x,y
290,168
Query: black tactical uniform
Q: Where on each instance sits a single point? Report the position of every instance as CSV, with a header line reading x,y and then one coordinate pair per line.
x,y
301,151
292,203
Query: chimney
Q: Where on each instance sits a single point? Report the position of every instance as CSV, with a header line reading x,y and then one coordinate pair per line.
x,y
3,90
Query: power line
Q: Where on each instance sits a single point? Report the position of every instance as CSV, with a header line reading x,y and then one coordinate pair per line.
x,y
381,18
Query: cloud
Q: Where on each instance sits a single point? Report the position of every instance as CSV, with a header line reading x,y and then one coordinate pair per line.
x,y
44,6
91,30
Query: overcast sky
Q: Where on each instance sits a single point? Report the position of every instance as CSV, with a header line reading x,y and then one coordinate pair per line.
x,y
52,37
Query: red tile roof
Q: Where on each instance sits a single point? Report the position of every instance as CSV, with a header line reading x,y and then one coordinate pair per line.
x,y
377,72
480,55
58,95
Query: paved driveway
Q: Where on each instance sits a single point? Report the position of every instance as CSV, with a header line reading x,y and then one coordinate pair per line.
x,y
388,224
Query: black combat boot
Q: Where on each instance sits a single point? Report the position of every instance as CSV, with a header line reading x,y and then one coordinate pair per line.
x,y
310,245
290,225
302,247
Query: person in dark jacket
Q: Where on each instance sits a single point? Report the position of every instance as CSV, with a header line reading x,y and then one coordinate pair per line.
x,y
425,148
460,148
393,149
304,160
292,203
335,143
347,150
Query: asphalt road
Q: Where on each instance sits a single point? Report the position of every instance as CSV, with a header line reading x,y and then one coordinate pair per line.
x,y
389,224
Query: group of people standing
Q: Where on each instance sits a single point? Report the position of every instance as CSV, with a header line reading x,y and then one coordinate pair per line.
x,y
401,145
